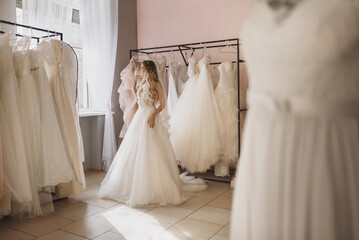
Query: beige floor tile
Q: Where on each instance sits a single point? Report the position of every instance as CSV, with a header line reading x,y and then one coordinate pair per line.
x,y
8,222
212,214
194,203
121,214
91,190
89,227
212,191
169,214
143,227
110,236
11,234
60,235
78,211
218,237
104,203
190,229
221,202
42,225
228,193
64,203
80,197
224,231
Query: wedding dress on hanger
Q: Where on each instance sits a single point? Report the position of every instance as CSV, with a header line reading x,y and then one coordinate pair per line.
x,y
130,76
196,128
15,162
172,98
299,169
65,117
56,167
227,98
182,78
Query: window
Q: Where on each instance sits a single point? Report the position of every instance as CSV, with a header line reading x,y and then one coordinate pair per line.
x,y
71,33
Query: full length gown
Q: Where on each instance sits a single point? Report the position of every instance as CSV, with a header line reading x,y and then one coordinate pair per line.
x,y
15,164
65,117
56,167
196,127
144,170
172,97
299,169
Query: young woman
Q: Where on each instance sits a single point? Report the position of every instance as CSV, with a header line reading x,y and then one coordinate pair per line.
x,y
144,170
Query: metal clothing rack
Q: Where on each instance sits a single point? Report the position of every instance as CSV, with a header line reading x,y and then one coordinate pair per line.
x,y
234,42
49,34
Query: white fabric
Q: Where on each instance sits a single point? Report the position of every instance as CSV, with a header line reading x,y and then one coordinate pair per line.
x,y
16,166
130,77
227,99
298,173
196,128
99,21
56,166
145,170
55,15
64,112
172,98
182,78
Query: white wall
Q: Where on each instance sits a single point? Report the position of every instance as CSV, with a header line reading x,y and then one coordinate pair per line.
x,y
8,13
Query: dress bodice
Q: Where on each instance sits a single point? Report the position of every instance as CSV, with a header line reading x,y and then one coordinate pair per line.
x,y
204,62
228,75
312,53
143,98
6,62
21,63
192,67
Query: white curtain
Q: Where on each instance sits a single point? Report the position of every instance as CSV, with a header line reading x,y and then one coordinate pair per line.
x,y
55,15
99,25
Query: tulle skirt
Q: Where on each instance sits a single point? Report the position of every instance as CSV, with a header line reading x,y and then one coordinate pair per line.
x,y
298,178
196,129
144,170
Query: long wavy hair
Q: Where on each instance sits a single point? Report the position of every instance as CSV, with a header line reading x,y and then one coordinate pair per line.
x,y
150,78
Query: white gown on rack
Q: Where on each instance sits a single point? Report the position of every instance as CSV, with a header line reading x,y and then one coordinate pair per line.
x,y
299,168
144,170
65,117
172,98
56,167
16,168
30,119
182,78
196,128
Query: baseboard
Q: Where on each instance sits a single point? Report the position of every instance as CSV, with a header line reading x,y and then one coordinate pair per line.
x,y
93,170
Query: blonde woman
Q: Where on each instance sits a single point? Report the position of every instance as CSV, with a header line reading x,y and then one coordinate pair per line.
x,y
144,170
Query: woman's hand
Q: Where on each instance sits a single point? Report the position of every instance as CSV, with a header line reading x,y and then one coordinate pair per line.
x,y
151,121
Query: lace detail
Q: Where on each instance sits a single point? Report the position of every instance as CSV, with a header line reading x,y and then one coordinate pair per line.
x,y
22,45
5,39
144,99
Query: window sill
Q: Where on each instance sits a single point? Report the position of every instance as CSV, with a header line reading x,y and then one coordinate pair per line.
x,y
92,114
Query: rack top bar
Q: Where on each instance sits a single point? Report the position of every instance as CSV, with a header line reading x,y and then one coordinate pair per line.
x,y
187,45
34,28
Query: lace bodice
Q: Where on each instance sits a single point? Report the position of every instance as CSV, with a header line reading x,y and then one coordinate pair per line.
x,y
143,98
21,63
228,75
192,67
312,53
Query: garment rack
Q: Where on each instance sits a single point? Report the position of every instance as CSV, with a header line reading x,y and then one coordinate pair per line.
x,y
49,32
234,42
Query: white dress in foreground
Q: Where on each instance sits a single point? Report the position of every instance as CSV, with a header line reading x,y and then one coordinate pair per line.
x,y
299,169
144,170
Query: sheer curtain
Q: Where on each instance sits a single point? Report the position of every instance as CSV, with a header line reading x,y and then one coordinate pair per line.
x,y
99,24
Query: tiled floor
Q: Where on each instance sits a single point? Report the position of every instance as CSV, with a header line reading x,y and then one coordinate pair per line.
x,y
84,216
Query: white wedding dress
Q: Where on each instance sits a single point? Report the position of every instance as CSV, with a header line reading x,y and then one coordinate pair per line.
x,y
298,176
196,128
144,170
172,97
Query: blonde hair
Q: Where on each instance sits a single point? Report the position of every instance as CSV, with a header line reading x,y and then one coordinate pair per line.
x,y
150,79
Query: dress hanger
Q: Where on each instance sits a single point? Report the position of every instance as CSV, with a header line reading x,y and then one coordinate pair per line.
x,y
230,46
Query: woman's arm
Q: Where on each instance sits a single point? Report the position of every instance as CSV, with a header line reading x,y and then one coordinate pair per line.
x,y
151,119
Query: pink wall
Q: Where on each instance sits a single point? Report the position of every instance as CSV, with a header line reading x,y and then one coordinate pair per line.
x,y
166,22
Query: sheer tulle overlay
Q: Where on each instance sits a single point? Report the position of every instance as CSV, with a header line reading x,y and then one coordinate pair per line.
x,y
196,128
299,169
